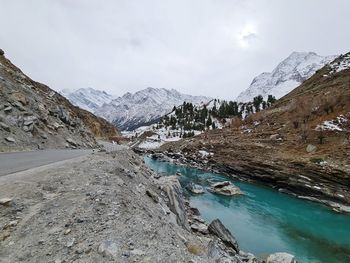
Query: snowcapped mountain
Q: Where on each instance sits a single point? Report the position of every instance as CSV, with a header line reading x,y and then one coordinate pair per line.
x,y
144,107
289,74
87,98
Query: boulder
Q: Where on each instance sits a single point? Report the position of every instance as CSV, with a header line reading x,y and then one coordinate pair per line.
x,y
200,227
225,188
71,142
195,188
5,201
1,52
4,127
153,195
109,249
281,257
8,109
311,148
18,96
171,186
10,139
219,230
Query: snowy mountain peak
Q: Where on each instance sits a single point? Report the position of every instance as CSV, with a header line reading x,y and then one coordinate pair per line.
x,y
144,107
288,74
87,98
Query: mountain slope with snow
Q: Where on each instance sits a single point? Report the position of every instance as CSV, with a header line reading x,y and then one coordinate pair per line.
x,y
290,73
87,98
144,107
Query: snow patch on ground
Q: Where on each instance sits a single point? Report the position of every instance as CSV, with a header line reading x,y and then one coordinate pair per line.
x,y
338,66
332,125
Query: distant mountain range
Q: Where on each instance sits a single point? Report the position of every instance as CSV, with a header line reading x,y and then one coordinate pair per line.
x,y
87,98
145,107
289,74
132,110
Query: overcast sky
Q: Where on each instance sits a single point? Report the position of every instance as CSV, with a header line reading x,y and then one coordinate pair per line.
x,y
200,47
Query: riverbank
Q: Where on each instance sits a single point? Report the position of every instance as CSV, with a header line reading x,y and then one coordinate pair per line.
x,y
105,207
313,182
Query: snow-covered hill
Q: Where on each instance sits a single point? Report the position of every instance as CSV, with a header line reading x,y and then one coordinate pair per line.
x,y
289,74
87,98
144,107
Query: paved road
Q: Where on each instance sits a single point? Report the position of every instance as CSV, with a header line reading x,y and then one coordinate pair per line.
x,y
20,161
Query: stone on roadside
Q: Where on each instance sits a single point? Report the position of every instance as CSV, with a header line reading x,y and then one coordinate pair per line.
x,y
71,142
10,139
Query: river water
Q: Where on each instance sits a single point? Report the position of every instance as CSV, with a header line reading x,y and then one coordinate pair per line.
x,y
265,221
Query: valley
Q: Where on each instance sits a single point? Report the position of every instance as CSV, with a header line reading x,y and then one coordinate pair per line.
x,y
152,184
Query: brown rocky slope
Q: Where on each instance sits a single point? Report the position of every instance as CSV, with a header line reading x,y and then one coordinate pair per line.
x,y
33,116
301,145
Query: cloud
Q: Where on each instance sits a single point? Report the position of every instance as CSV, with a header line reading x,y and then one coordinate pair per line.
x,y
193,46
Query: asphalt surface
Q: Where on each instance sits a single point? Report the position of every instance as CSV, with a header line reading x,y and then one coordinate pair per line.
x,y
19,161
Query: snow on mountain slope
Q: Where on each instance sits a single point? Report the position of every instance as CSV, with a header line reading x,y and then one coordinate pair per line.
x,y
87,98
289,74
144,107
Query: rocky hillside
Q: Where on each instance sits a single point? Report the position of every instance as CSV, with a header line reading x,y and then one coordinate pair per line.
x,y
289,74
33,116
300,145
144,107
87,98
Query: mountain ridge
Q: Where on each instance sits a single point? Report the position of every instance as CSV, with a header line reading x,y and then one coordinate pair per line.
x,y
146,106
286,76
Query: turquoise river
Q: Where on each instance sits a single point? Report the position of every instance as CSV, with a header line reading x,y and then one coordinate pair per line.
x,y
265,221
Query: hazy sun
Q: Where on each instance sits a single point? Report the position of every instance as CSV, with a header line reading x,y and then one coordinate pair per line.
x,y
247,35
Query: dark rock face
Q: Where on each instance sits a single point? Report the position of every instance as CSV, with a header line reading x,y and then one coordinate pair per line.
x,y
1,52
218,229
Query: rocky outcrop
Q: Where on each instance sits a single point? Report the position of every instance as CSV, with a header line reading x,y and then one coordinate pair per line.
x,y
171,186
218,229
281,258
225,188
32,116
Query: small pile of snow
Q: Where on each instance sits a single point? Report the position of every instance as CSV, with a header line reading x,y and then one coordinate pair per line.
x,y
150,144
332,125
338,66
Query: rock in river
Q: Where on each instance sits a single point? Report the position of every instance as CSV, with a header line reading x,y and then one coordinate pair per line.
x,y
225,188
195,188
218,229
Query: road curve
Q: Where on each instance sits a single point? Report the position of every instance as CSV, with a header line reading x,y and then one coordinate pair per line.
x,y
19,161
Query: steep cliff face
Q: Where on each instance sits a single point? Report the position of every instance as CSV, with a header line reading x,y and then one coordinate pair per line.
x,y
33,116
